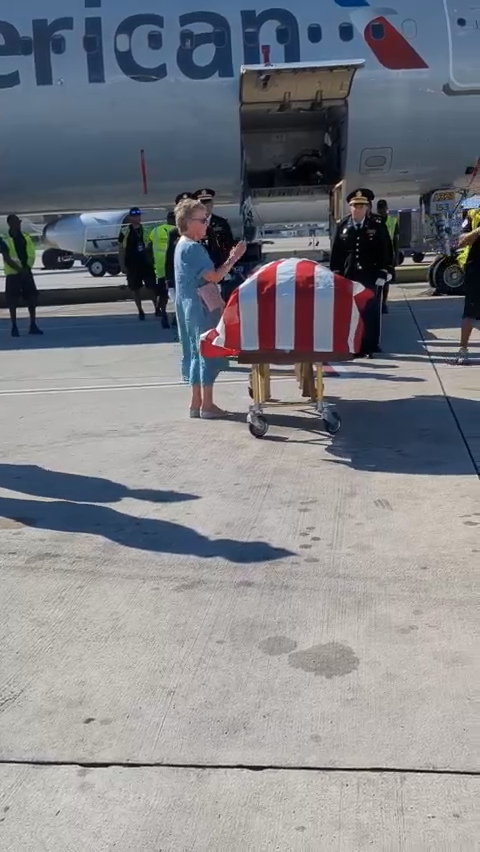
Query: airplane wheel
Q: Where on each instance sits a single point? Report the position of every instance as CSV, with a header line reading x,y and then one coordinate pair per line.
x,y
446,276
418,257
401,258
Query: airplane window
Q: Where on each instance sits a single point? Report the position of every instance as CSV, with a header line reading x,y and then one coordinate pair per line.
x,y
59,45
154,39
251,38
409,28
91,44
219,38
187,39
314,33
461,22
26,46
346,32
377,30
283,35
122,43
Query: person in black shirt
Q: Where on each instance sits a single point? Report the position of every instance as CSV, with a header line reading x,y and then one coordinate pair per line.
x,y
471,309
18,253
173,239
362,251
136,260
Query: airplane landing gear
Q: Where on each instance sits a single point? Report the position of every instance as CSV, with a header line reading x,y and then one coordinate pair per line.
x,y
446,277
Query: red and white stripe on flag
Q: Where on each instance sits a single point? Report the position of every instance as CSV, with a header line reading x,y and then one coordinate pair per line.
x,y
291,305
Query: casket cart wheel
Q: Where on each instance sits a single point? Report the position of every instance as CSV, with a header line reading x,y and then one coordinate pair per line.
x,y
332,422
257,424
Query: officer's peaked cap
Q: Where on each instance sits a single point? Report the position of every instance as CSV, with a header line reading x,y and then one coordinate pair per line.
x,y
183,197
204,194
361,196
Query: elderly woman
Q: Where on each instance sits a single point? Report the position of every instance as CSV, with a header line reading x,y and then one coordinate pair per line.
x,y
198,304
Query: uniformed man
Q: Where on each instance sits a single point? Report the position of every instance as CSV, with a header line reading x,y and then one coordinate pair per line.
x,y
158,237
361,251
219,240
18,251
391,224
136,260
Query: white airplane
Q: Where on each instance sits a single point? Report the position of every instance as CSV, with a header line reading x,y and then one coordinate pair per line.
x,y
282,110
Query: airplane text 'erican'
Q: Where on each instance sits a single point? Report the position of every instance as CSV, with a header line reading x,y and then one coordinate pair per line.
x,y
49,39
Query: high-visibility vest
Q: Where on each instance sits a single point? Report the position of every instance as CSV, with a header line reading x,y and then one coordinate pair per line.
x,y
391,223
30,246
159,239
474,219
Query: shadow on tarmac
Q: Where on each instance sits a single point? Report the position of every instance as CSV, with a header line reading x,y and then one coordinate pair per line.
x,y
77,488
150,534
80,516
80,332
417,435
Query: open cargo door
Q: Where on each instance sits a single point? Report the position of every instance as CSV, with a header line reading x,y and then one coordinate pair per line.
x,y
293,121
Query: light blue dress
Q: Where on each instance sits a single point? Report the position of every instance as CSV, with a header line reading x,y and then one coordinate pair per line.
x,y
193,317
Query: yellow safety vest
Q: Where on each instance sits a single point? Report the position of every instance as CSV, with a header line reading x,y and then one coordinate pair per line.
x,y
159,239
391,223
30,245
462,256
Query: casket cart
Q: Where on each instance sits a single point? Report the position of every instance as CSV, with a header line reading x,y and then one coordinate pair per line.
x,y
291,312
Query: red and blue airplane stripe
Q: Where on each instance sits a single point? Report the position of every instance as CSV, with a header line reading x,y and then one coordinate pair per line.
x,y
393,51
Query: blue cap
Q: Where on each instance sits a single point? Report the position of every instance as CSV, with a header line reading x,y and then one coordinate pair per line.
x,y
134,211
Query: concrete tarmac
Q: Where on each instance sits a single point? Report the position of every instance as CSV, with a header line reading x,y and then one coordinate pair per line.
x,y
213,642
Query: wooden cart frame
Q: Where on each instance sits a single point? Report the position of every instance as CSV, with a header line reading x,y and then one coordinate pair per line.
x,y
310,377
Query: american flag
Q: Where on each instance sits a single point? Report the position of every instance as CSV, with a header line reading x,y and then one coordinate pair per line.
x,y
291,305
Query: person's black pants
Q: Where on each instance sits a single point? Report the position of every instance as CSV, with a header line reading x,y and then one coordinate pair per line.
x,y
162,295
21,287
373,315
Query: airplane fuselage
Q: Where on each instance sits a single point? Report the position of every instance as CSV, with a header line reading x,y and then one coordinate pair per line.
x,y
99,83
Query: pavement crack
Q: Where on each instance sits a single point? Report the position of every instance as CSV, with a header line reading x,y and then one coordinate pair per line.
x,y
242,767
443,388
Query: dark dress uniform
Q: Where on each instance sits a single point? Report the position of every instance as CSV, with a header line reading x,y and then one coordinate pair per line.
x,y
363,252
219,238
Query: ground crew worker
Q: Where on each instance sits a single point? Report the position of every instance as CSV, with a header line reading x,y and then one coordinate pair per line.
x,y
159,240
470,247
361,251
471,221
391,223
18,251
136,260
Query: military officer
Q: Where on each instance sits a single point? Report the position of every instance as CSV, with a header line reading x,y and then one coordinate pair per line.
x,y
219,240
362,251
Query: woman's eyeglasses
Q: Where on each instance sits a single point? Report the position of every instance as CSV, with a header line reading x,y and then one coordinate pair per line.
x,y
203,221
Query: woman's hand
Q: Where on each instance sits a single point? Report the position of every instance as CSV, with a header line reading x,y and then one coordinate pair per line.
x,y
237,252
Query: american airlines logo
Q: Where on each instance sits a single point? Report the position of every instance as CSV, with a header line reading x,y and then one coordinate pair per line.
x,y
135,46
387,43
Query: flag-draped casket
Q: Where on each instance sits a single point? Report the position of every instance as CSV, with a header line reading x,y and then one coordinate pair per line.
x,y
295,306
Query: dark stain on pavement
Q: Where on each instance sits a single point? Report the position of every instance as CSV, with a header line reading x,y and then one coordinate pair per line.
x,y
193,584
330,660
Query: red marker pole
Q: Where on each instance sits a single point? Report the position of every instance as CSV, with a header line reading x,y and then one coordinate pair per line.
x,y
144,172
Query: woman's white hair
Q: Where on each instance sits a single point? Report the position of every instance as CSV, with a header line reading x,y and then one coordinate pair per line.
x,y
185,210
